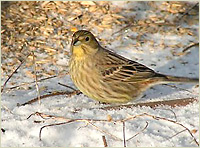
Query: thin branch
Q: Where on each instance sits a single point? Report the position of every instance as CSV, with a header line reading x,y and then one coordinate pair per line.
x,y
6,108
187,12
36,81
190,46
103,131
138,132
68,120
89,121
171,103
26,83
124,134
176,134
165,119
79,120
170,111
124,28
14,72
40,133
104,141
76,92
66,86
133,24
60,118
161,118
174,86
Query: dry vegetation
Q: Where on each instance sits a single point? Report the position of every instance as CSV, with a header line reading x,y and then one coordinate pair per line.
x,y
46,28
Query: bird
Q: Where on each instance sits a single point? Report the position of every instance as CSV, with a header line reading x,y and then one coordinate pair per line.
x,y
108,77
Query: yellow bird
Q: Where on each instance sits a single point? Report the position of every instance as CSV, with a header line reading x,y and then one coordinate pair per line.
x,y
108,77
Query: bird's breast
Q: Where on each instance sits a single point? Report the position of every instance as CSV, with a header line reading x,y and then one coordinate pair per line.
x,y
78,52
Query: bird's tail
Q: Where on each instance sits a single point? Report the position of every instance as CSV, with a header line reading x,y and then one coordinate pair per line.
x,y
168,78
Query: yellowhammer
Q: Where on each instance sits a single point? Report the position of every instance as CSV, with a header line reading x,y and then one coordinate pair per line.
x,y
108,77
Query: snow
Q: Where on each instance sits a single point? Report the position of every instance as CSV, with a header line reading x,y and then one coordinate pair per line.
x,y
23,132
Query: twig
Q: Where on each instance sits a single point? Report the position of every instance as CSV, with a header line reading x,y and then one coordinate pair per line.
x,y
50,95
76,92
161,118
171,103
46,116
14,72
174,86
124,28
138,132
83,126
89,121
26,83
6,108
103,131
133,24
36,81
66,86
187,12
124,134
190,46
40,133
80,120
176,134
104,141
68,120
170,111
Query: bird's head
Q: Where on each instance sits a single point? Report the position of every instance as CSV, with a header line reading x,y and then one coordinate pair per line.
x,y
83,44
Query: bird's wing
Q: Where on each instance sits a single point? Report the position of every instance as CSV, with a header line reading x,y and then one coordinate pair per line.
x,y
115,67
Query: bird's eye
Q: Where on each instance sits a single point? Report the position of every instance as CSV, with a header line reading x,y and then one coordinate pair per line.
x,y
87,38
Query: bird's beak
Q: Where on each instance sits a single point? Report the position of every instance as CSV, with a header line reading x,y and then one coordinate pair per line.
x,y
76,42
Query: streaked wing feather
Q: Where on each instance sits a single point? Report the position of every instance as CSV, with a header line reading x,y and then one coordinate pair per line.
x,y
116,67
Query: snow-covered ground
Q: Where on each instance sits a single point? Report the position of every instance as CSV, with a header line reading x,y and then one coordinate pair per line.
x,y
23,132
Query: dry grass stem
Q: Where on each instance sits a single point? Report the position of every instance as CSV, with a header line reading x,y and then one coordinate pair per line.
x,y
170,111
171,103
190,46
138,132
13,73
124,134
67,86
175,87
91,121
36,80
104,141
76,92
27,83
6,108
187,12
